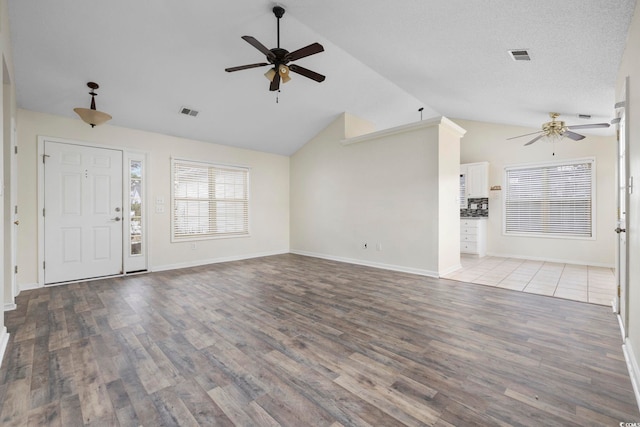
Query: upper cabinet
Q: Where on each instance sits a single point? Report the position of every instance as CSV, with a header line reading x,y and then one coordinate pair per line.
x,y
475,179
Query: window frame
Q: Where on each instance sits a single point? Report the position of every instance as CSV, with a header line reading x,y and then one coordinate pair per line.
x,y
175,161
564,162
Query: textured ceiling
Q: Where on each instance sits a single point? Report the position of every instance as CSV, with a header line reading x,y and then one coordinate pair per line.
x,y
383,61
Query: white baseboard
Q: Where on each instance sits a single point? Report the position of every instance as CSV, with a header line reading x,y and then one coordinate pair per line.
x,y
4,341
366,263
557,260
29,286
634,371
450,270
214,260
9,306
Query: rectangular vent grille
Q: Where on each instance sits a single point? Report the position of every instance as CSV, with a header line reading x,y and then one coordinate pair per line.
x,y
584,116
188,111
520,55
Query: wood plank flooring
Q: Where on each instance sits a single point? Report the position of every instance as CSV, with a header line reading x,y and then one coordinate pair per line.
x,y
296,341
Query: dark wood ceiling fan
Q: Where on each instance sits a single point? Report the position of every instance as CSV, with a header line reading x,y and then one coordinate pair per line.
x,y
280,58
557,129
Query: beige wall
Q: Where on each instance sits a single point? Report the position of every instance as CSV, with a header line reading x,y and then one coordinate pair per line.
x,y
630,67
269,189
488,142
382,191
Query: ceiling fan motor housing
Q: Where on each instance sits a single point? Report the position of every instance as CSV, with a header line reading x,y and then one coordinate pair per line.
x,y
554,127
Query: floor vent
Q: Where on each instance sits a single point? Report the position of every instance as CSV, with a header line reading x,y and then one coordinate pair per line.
x,y
188,111
520,55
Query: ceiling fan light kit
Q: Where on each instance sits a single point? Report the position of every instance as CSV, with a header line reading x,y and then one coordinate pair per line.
x,y
280,58
92,116
557,129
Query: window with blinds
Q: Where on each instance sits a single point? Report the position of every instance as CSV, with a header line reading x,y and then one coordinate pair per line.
x,y
209,200
550,200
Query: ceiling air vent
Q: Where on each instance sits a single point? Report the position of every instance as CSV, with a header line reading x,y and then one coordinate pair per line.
x,y
520,55
584,116
188,111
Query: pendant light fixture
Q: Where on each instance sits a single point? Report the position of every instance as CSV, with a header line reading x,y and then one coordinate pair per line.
x,y
91,115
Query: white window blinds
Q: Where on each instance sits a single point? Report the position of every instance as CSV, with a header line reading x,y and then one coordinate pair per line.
x,y
209,200
553,199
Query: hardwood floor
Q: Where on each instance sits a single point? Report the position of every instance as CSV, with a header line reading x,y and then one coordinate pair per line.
x,y
297,341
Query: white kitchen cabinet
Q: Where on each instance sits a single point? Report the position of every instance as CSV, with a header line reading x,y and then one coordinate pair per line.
x,y
476,179
473,236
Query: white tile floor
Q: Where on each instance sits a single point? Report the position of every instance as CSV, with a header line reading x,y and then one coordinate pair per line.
x,y
596,285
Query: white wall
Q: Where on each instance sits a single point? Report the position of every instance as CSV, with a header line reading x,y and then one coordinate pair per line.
x,y
269,192
382,191
630,66
488,142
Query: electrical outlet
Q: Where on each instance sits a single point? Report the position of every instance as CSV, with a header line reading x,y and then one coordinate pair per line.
x,y
378,246
194,246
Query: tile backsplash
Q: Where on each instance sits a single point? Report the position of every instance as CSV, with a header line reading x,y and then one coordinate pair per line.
x,y
476,208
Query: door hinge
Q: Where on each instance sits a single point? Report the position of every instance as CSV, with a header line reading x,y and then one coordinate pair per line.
x,y
15,149
42,211
44,265
618,291
15,269
15,210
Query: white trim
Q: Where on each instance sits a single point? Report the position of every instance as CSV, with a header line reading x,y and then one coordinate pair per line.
x,y
4,341
382,266
215,260
620,323
450,270
435,121
10,306
634,371
557,260
30,286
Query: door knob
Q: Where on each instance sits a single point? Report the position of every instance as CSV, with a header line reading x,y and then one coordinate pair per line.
x,y
115,219
17,222
620,230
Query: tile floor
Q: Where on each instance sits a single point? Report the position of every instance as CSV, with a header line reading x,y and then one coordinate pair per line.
x,y
596,285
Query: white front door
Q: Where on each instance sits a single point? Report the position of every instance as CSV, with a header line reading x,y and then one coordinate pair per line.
x,y
82,212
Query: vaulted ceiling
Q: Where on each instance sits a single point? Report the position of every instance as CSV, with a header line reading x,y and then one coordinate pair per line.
x,y
383,61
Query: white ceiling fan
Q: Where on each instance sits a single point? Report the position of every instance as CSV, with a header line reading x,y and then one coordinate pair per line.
x,y
556,129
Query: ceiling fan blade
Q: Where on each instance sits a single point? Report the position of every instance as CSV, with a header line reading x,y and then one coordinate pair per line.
x,y
591,126
262,48
312,49
307,73
275,83
245,67
573,135
526,134
533,140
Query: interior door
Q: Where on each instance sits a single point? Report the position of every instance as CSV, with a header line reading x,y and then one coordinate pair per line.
x,y
82,212
624,187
